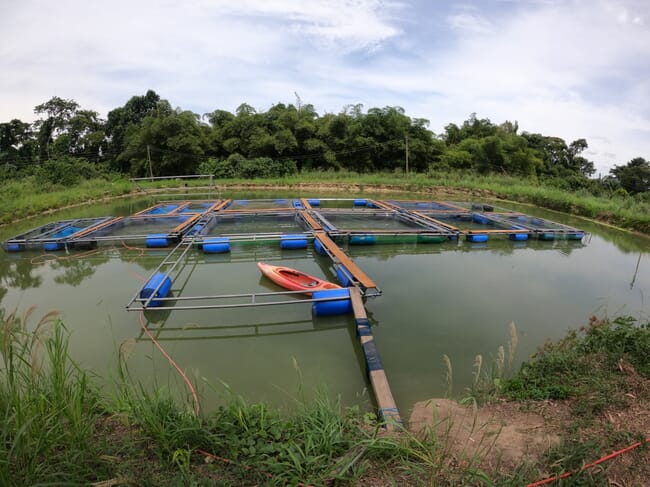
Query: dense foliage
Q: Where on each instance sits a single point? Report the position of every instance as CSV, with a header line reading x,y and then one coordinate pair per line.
x,y
147,137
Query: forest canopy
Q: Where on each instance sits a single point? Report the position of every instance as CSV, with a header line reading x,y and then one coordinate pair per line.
x,y
147,137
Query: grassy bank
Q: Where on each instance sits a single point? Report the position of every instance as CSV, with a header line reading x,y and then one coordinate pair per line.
x,y
26,198
56,427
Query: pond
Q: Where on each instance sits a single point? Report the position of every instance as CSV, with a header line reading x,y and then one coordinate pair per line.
x,y
456,299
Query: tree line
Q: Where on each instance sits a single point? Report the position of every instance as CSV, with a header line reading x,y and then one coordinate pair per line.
x,y
148,137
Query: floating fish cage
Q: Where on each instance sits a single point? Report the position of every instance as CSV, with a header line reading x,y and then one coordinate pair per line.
x,y
340,222
179,207
54,236
217,231
154,231
379,226
259,204
540,228
440,206
477,227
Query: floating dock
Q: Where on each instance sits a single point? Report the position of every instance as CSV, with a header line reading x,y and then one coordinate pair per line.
x,y
351,221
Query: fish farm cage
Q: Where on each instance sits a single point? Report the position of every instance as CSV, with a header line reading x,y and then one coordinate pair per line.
x,y
220,226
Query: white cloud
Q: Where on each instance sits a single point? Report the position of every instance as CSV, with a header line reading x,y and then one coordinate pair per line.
x,y
572,69
466,20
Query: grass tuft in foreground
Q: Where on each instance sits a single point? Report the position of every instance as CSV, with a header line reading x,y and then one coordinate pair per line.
x,y
47,407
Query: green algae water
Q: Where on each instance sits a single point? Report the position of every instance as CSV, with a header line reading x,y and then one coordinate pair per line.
x,y
456,299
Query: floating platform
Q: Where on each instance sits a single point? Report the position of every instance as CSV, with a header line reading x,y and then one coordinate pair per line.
x,y
56,235
154,231
180,207
360,221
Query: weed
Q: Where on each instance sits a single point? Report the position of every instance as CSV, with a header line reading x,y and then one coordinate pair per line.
x,y
48,407
585,365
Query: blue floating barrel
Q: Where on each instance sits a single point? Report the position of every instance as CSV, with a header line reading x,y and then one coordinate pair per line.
x,y
216,245
52,246
480,219
293,242
14,247
314,202
370,204
334,307
160,281
575,236
342,275
297,204
281,201
547,236
537,221
522,218
319,247
477,237
488,208
362,239
519,237
156,240
360,202
196,229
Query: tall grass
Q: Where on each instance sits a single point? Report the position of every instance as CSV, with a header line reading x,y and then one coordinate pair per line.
x,y
47,407
489,376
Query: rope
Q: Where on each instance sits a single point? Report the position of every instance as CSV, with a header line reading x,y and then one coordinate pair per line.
x,y
171,361
589,465
43,258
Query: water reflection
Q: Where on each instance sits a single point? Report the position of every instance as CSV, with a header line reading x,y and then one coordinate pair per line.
x,y
17,272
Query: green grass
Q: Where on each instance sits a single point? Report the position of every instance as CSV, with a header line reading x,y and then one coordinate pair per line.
x,y
47,406
585,364
25,198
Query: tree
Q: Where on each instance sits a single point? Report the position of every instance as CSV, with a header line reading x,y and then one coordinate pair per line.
x,y
634,177
124,120
559,159
17,144
174,142
87,137
58,113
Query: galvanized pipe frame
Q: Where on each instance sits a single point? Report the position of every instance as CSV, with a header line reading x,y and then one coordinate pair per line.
x,y
560,228
212,218
187,246
253,296
48,235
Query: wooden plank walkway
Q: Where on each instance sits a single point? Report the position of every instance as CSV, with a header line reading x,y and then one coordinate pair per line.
x,y
385,402
342,258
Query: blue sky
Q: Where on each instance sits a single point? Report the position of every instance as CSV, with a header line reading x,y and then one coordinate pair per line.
x,y
572,68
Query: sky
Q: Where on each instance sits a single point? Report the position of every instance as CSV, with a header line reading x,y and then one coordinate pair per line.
x,y
566,68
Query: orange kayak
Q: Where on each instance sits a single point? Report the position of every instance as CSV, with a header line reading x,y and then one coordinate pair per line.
x,y
295,280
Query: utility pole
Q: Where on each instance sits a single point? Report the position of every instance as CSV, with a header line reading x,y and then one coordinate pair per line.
x,y
406,150
149,159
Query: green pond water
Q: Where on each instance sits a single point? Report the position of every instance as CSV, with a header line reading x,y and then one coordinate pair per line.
x,y
455,298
